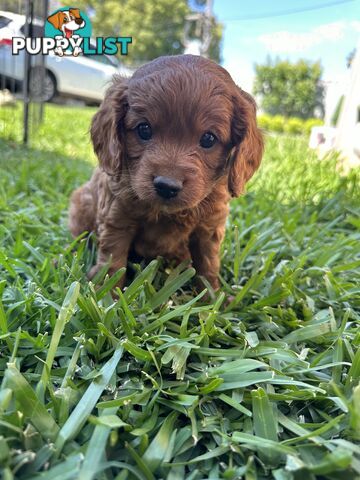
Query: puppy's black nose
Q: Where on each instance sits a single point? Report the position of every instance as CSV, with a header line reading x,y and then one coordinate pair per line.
x,y
167,187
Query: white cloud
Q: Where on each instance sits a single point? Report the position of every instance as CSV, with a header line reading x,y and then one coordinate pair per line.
x,y
289,42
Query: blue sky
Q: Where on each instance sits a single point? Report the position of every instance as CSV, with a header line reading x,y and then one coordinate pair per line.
x,y
326,34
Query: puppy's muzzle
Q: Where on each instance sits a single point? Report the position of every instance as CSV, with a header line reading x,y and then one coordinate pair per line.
x,y
167,187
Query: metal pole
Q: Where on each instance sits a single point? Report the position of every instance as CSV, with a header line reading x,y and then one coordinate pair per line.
x,y
27,62
43,59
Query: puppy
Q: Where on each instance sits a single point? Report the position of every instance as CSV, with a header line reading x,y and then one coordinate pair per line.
x,y
67,21
175,142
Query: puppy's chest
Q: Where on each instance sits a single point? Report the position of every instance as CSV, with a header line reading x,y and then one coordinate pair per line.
x,y
163,237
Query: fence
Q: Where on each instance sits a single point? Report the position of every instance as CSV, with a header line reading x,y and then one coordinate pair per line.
x,y
22,76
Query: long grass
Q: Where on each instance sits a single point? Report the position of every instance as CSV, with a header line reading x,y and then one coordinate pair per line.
x,y
261,381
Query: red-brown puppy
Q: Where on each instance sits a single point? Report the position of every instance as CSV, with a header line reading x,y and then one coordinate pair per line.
x,y
174,143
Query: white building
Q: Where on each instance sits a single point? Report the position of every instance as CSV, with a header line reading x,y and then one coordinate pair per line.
x,y
347,137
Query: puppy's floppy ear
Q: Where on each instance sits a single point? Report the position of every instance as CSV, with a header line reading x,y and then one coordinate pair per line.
x,y
248,143
107,128
56,19
75,12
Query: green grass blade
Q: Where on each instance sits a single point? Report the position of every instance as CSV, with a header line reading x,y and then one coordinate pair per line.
x,y
35,410
85,406
66,312
96,448
156,452
164,293
265,423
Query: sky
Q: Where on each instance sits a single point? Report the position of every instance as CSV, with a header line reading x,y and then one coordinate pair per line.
x,y
328,34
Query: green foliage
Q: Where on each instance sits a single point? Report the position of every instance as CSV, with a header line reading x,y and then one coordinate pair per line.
x,y
261,381
216,38
312,122
157,27
293,126
270,123
291,90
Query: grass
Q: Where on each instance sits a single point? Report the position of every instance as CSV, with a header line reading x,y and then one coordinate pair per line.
x,y
163,384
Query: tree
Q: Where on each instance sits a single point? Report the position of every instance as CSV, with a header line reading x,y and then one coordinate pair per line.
x,y
292,90
157,27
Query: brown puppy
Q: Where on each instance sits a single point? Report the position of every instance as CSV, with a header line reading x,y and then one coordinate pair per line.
x,y
174,143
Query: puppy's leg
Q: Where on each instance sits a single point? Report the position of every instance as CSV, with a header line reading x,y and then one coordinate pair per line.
x,y
205,252
82,212
114,245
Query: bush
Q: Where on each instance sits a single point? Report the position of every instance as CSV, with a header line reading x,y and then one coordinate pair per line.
x,y
294,126
277,123
264,122
312,122
272,123
291,125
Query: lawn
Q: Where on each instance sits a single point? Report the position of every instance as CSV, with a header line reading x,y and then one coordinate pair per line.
x,y
260,382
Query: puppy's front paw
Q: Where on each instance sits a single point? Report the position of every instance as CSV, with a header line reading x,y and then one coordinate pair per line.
x,y
77,51
97,268
59,51
94,270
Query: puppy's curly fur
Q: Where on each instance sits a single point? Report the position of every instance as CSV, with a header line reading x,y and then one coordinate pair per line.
x,y
179,98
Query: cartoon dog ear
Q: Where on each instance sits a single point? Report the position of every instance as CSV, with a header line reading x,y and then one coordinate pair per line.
x,y
75,12
55,19
107,128
248,143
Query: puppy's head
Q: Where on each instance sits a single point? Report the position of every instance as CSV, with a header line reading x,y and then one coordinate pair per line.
x,y
178,126
67,21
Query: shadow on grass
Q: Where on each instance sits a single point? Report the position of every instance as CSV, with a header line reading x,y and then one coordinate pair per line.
x,y
35,186
27,170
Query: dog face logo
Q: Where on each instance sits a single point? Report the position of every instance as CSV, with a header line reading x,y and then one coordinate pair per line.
x,y
67,21
68,26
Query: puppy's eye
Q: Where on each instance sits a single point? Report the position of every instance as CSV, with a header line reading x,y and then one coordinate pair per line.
x,y
144,131
207,140
65,20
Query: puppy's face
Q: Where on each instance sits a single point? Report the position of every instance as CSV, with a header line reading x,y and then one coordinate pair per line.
x,y
177,137
180,127
67,21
